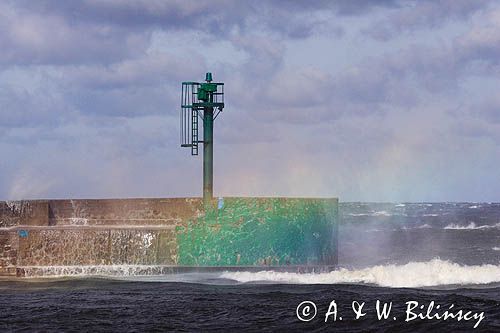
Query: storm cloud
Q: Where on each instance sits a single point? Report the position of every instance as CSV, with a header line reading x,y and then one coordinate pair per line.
x,y
365,100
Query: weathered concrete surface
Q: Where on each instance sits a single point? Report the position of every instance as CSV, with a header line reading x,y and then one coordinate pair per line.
x,y
8,252
123,211
91,246
40,236
23,212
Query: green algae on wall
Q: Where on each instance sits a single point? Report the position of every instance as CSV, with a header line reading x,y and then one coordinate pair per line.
x,y
261,231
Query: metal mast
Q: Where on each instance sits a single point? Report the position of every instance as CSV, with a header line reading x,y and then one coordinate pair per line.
x,y
208,149
201,100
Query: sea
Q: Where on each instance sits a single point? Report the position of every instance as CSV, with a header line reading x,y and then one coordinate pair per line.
x,y
403,267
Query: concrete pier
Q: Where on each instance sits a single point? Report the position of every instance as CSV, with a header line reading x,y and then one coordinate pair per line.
x,y
157,236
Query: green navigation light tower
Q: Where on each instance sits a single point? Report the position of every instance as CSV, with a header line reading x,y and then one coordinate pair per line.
x,y
206,101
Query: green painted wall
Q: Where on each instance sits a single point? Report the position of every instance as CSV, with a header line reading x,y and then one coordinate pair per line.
x,y
261,231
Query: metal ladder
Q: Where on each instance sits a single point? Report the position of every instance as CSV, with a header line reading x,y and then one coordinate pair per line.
x,y
194,132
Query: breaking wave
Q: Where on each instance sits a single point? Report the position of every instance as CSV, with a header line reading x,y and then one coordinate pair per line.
x,y
412,275
452,226
470,226
432,273
423,226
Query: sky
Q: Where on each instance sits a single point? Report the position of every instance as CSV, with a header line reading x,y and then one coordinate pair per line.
x,y
362,100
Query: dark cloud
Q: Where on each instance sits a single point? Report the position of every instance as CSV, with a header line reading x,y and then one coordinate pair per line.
x,y
89,102
28,37
428,14
131,88
83,32
149,70
220,17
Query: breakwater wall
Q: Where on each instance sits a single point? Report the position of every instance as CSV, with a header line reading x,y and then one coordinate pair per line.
x,y
157,236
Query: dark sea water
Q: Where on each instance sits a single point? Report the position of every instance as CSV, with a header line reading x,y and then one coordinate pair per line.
x,y
446,253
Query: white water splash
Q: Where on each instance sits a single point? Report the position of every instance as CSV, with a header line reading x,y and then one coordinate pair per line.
x,y
147,240
78,221
412,275
15,206
94,270
470,226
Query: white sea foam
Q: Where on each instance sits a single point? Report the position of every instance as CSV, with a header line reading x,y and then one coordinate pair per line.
x,y
382,213
95,270
453,226
470,226
496,248
412,275
423,226
378,213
